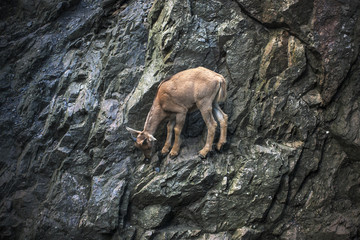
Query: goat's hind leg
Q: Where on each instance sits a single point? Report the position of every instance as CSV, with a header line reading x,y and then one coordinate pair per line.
x,y
211,126
170,127
223,120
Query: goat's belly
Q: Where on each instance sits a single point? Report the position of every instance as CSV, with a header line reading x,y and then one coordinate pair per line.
x,y
176,103
193,108
178,107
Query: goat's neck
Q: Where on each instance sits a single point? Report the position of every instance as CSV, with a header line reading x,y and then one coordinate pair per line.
x,y
154,118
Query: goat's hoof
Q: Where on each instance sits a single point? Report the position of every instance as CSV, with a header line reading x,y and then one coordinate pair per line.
x,y
219,148
162,155
223,147
173,155
203,155
164,152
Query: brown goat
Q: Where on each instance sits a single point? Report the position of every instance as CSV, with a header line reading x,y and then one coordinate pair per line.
x,y
186,91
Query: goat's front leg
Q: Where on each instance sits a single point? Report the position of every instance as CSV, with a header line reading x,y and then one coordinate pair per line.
x,y
170,127
180,120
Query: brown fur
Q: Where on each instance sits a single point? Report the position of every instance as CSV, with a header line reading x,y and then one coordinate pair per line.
x,y
197,88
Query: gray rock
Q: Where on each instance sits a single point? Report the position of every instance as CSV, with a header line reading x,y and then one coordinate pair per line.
x,y
74,74
154,216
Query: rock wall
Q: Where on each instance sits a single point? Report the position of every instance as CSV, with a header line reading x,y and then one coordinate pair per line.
x,y
74,73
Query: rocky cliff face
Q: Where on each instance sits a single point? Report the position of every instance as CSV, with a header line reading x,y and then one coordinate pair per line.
x,y
74,73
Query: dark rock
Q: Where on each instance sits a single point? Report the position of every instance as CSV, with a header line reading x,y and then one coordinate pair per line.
x,y
74,74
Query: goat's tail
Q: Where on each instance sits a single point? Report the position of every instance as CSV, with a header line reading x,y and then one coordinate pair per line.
x,y
221,95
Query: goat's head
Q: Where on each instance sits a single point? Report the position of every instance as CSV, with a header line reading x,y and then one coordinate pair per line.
x,y
144,141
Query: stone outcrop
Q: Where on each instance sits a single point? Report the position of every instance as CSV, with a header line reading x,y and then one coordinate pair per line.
x,y
74,73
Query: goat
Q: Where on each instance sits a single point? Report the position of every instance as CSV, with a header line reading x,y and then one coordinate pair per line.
x,y
186,91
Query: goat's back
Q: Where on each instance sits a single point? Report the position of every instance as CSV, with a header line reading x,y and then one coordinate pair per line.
x,y
192,86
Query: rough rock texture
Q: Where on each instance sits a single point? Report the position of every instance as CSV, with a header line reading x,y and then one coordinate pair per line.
x,y
74,73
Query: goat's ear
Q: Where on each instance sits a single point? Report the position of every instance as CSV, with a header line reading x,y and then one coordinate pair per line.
x,y
133,131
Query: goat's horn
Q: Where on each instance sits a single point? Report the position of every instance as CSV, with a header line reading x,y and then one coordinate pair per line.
x,y
133,130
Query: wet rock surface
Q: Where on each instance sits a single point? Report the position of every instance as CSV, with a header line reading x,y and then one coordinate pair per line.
x,y
74,73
